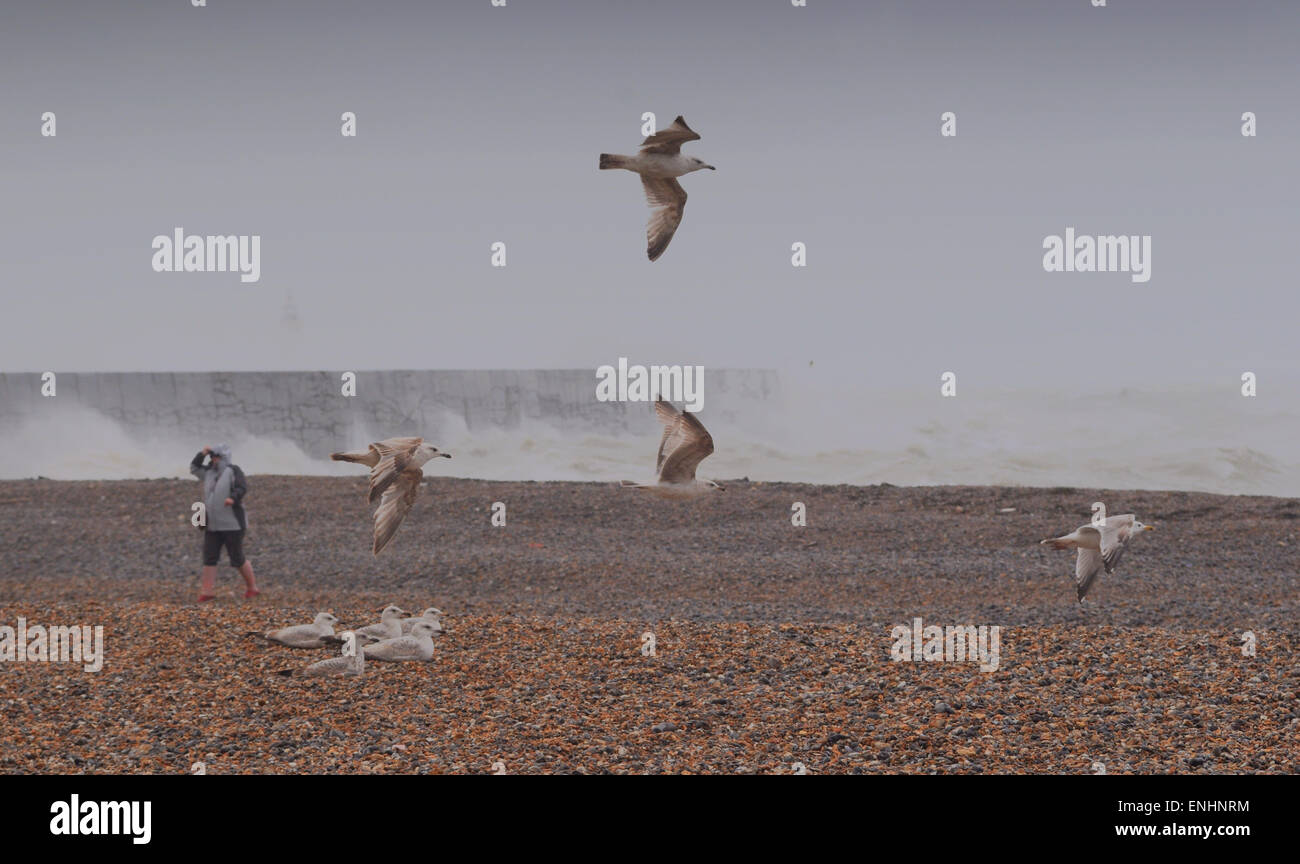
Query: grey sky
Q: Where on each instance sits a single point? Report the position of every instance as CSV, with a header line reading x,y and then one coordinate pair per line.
x,y
479,124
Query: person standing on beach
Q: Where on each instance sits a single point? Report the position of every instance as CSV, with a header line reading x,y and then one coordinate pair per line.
x,y
224,488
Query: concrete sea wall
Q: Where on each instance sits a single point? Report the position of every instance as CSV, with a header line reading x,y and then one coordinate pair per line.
x,y
308,408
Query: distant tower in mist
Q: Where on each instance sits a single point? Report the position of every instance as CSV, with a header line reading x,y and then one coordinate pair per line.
x,y
289,314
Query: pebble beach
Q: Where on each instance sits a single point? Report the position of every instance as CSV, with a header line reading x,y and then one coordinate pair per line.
x,y
772,643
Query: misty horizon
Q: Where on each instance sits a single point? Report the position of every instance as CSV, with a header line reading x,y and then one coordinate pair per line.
x,y
924,253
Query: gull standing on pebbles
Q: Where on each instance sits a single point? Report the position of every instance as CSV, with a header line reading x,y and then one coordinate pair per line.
x,y
660,163
313,635
417,646
433,615
1099,547
395,475
684,445
350,666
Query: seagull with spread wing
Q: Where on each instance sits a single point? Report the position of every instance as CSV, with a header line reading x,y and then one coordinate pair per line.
x,y
395,475
1100,547
660,163
684,445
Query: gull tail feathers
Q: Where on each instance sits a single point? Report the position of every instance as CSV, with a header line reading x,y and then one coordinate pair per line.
x,y
609,160
1056,543
349,457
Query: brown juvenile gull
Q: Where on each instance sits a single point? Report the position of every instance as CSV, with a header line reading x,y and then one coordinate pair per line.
x,y
1098,547
660,163
418,645
313,635
349,665
395,475
682,448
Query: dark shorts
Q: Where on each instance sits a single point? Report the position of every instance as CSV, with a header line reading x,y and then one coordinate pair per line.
x,y
214,540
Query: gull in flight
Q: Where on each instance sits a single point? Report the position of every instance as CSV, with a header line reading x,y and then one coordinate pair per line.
x,y
395,474
682,448
1099,547
416,646
660,163
433,615
349,665
313,635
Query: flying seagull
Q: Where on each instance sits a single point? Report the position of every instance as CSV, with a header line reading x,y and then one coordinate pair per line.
x,y
660,163
395,475
313,635
1098,547
684,445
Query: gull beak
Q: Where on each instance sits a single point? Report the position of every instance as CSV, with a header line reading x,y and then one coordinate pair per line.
x,y
1148,527
448,455
710,167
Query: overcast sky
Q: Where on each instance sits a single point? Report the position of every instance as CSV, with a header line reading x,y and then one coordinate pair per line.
x,y
479,124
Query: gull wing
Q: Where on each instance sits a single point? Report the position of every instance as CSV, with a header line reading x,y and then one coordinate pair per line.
x,y
684,446
1086,568
668,196
1114,539
671,418
390,444
297,636
395,504
374,452
397,649
669,141
332,666
373,632
409,623
394,457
